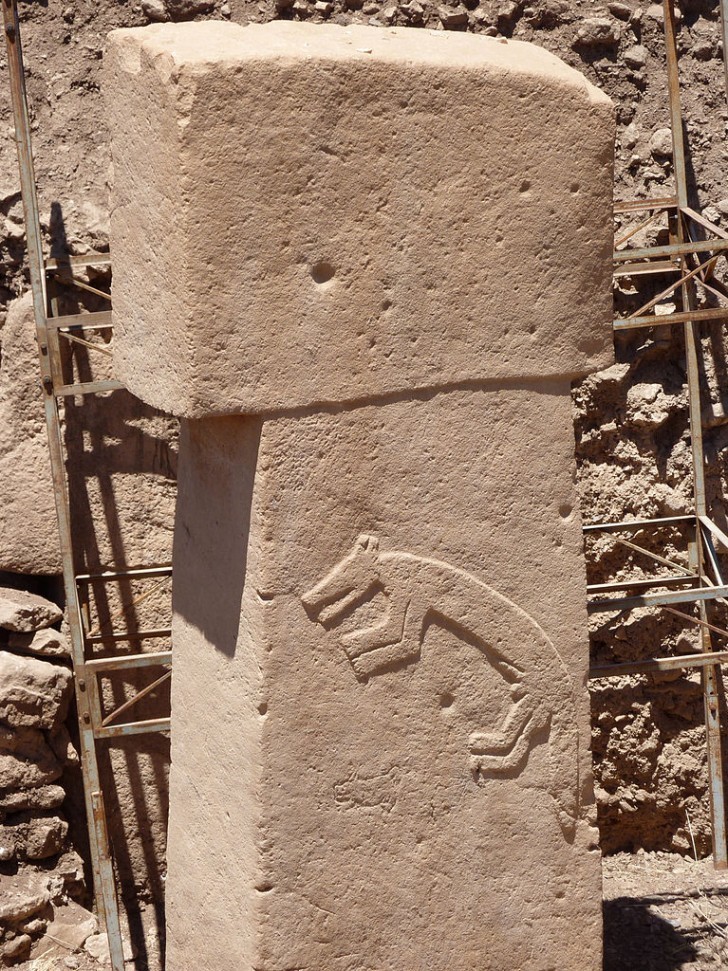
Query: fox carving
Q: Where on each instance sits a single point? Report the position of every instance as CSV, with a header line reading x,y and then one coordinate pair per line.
x,y
420,591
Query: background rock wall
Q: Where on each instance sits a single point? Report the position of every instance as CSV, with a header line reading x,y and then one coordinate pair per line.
x,y
631,421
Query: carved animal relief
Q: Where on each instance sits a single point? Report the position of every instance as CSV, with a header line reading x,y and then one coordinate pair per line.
x,y
419,592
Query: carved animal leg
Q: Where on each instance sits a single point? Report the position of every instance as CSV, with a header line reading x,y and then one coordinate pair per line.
x,y
390,631
502,741
493,765
373,661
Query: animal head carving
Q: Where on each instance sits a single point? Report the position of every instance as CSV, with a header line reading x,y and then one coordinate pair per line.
x,y
346,584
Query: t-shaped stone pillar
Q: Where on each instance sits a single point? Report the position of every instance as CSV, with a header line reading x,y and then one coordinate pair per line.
x,y
386,254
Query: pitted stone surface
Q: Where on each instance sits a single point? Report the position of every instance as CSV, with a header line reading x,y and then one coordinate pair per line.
x,y
380,792
28,526
381,727
329,213
33,693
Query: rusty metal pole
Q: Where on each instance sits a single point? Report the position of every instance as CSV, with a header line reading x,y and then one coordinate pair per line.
x,y
102,866
710,673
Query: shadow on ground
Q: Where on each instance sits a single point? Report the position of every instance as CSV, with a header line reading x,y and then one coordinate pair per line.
x,y
638,939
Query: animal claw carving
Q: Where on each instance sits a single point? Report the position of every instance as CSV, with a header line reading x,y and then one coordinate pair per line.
x,y
502,742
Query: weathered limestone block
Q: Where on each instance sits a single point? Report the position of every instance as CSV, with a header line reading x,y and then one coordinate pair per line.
x,y
33,835
388,219
46,643
26,759
25,612
387,252
28,529
44,797
22,895
33,693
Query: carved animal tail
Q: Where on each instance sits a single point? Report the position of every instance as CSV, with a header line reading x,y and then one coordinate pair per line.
x,y
564,759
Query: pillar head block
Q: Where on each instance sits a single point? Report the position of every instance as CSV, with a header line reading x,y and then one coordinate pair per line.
x,y
308,214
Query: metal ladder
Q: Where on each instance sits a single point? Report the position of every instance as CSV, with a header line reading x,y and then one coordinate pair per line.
x,y
96,722
687,261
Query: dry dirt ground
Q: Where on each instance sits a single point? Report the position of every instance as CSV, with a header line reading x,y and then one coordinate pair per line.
x,y
664,912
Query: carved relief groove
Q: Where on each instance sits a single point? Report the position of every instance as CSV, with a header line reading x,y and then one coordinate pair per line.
x,y
420,591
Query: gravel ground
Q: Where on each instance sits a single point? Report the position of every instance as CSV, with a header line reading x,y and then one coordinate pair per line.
x,y
664,912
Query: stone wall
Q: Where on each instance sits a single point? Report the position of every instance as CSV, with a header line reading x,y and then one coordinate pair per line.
x,y
37,761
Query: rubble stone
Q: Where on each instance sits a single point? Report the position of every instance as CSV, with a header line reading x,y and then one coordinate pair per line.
x,y
22,895
36,836
33,692
622,11
70,927
661,143
16,949
25,612
26,759
28,527
452,17
155,10
183,9
43,643
41,797
636,57
597,32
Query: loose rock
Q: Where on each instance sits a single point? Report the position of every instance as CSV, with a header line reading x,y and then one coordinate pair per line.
x,y
35,837
17,773
184,9
44,643
70,927
661,143
451,17
155,10
42,797
622,11
655,13
597,32
33,693
636,57
18,949
26,612
22,894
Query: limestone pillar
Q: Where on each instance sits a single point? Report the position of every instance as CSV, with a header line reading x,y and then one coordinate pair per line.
x,y
364,266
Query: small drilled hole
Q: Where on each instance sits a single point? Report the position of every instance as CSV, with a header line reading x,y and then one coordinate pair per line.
x,y
322,272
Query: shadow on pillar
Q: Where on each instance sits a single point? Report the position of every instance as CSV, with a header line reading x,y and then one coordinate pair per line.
x,y
214,543
114,442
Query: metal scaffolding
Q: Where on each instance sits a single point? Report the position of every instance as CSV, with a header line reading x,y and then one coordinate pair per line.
x,y
97,720
686,263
